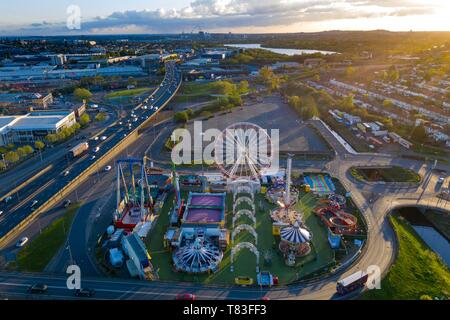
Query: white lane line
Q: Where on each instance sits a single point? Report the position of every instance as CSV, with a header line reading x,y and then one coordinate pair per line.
x,y
127,292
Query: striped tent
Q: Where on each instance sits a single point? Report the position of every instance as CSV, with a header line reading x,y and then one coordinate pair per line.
x,y
198,257
296,234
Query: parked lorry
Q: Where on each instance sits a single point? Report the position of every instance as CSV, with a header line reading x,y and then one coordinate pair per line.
x,y
352,283
78,150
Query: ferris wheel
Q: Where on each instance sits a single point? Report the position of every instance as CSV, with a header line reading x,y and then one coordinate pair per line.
x,y
243,150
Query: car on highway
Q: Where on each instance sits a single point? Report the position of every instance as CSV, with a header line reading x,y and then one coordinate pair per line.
x,y
92,158
67,203
7,199
1,213
22,241
66,173
96,149
87,293
103,138
38,288
33,203
186,296
108,168
95,138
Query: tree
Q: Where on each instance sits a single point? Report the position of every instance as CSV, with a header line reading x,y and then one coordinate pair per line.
x,y
39,145
51,138
394,75
181,117
2,165
12,157
100,116
349,72
28,149
235,100
419,134
85,119
82,94
266,74
243,87
309,109
21,152
275,83
347,104
387,103
295,102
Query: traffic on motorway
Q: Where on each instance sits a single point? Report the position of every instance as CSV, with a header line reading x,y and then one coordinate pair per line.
x,y
20,206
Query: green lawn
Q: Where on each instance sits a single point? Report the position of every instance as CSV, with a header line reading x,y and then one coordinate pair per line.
x,y
127,93
245,261
35,256
418,270
390,174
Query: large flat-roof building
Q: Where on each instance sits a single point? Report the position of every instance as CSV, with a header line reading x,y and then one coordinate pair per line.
x,y
34,126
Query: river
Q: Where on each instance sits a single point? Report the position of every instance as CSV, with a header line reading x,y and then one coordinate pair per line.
x,y
426,231
288,52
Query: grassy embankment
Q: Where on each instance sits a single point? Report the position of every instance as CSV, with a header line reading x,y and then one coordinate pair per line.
x,y
417,273
35,256
127,93
389,174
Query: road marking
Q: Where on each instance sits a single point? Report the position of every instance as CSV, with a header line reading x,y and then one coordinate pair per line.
x,y
27,182
32,195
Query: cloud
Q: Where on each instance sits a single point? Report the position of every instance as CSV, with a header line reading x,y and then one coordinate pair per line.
x,y
226,15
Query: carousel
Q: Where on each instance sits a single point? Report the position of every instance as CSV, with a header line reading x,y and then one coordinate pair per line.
x,y
295,242
285,215
276,195
198,257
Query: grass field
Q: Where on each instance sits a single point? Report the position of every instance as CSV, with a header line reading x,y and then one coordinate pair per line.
x,y
35,256
391,174
245,261
418,271
127,93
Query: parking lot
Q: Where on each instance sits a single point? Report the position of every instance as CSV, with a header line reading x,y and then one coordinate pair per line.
x,y
272,113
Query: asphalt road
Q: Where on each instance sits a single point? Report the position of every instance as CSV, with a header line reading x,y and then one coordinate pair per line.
x,y
46,186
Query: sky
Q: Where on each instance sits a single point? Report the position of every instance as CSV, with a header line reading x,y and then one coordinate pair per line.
x,y
52,17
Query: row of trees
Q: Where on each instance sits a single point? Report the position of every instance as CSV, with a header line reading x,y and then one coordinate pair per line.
x,y
306,106
12,155
268,77
63,135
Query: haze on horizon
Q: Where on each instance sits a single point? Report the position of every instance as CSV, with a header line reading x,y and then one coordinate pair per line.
x,y
48,17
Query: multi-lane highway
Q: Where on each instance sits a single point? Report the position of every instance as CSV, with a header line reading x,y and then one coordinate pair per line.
x,y
49,184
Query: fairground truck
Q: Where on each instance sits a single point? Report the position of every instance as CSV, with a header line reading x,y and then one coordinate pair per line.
x,y
352,283
78,150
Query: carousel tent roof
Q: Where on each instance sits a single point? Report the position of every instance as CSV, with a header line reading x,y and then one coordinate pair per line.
x,y
198,257
295,234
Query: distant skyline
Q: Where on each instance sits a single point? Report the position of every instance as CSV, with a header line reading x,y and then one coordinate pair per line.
x,y
49,17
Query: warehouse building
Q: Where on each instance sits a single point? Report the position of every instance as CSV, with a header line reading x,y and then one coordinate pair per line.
x,y
34,126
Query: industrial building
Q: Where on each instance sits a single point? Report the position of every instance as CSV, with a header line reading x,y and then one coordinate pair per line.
x,y
34,126
51,72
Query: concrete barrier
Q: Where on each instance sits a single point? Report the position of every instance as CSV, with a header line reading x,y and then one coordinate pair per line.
x,y
72,185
